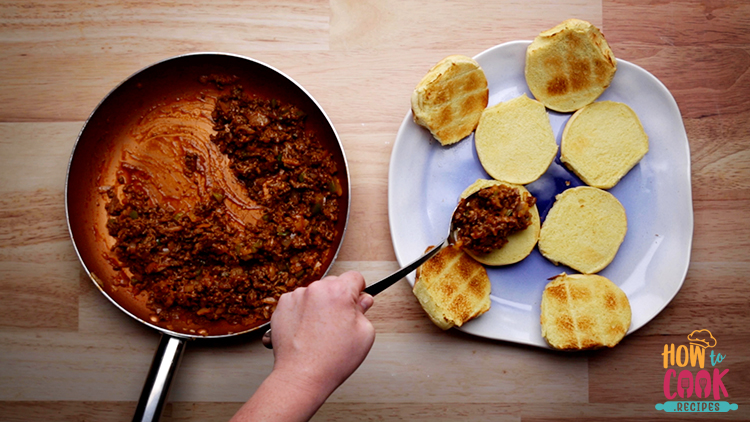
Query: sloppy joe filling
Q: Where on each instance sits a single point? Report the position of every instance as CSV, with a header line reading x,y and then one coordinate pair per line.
x,y
216,253
483,221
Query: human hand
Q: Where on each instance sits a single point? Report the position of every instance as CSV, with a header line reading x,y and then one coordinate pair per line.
x,y
320,337
320,333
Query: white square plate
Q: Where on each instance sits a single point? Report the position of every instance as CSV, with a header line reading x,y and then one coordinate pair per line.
x,y
425,180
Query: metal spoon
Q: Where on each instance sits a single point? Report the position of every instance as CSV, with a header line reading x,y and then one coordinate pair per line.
x,y
383,284
387,282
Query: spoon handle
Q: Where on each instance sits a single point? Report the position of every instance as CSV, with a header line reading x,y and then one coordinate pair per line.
x,y
387,282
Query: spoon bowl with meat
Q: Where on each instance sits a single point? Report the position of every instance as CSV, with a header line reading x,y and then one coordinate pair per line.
x,y
495,222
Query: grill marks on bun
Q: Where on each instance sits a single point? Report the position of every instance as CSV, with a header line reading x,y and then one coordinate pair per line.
x,y
569,66
452,288
580,312
450,98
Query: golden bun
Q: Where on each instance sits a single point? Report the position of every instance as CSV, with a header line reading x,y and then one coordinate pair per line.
x,y
583,229
602,142
520,244
514,140
452,288
569,66
582,312
450,98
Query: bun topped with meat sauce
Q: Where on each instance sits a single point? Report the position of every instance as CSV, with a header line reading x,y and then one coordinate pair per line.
x,y
508,248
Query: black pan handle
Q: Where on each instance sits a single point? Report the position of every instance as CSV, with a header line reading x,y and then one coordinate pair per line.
x,y
156,388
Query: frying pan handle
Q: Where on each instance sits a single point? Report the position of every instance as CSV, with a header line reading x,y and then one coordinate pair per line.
x,y
163,369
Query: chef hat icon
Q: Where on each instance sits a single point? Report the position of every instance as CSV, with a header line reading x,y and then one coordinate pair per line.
x,y
702,338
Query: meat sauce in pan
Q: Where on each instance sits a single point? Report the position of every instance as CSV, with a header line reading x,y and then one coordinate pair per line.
x,y
484,220
201,262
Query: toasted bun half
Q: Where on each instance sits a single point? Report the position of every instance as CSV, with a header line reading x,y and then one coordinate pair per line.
x,y
514,140
452,288
520,244
582,312
569,66
602,142
450,98
583,229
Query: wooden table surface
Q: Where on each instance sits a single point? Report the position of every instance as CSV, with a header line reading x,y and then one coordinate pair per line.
x,y
67,354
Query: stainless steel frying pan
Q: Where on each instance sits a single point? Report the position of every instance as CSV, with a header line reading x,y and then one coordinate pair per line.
x,y
96,154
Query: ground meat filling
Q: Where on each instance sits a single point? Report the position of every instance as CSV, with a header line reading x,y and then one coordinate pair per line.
x,y
483,221
195,264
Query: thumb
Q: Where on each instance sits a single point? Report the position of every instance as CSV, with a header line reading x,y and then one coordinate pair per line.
x,y
366,301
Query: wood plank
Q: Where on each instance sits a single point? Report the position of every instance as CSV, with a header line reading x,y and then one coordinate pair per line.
x,y
63,411
440,368
719,155
677,22
112,27
709,39
722,87
77,411
35,156
32,217
43,44
40,287
38,267
720,236
401,368
49,51
222,411
712,296
218,411
620,412
417,412
367,146
458,25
